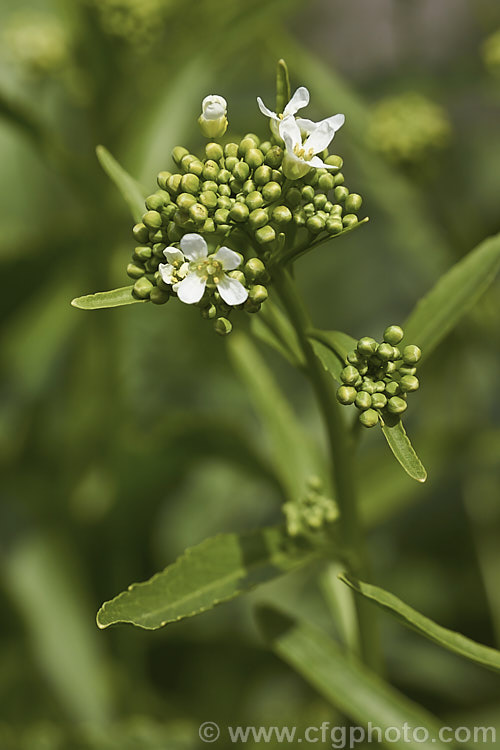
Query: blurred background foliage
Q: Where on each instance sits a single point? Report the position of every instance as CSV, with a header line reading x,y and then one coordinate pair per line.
x,y
125,435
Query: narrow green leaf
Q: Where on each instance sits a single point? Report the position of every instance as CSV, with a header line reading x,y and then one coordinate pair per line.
x,y
332,348
349,686
214,571
453,295
283,92
130,189
400,445
113,298
273,328
449,639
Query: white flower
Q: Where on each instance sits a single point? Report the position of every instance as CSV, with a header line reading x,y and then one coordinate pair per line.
x,y
213,120
299,156
191,269
308,126
299,100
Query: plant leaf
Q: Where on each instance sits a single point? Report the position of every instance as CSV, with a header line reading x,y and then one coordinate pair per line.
x,y
400,445
453,295
283,91
353,689
449,639
113,298
273,328
214,571
130,189
332,348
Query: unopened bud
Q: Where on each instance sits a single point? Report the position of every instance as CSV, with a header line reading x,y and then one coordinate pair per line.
x,y
223,326
213,120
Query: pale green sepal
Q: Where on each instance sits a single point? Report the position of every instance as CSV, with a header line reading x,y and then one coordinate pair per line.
x,y
113,298
352,688
400,445
213,572
293,168
449,639
130,189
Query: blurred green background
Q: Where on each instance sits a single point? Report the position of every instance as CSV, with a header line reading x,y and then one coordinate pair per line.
x,y
125,435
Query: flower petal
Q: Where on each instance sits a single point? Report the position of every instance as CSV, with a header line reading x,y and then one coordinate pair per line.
x,y
173,255
213,107
167,272
229,259
319,163
307,126
191,289
320,138
232,291
290,132
299,100
335,122
194,246
265,111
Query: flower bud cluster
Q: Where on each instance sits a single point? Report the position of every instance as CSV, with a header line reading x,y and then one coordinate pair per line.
x,y
311,512
136,22
36,42
378,377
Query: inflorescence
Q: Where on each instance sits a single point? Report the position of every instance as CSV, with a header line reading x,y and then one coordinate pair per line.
x,y
378,377
242,198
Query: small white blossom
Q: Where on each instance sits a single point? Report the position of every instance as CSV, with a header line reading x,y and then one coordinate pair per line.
x,y
299,156
213,120
299,100
191,269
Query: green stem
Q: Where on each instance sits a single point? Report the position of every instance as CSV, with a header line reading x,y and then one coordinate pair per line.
x,y
341,450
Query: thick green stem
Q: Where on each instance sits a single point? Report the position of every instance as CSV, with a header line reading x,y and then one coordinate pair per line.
x,y
341,454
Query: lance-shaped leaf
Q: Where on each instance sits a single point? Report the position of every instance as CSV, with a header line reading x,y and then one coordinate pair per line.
x,y
400,445
273,328
454,294
332,348
130,189
214,571
449,639
113,298
348,685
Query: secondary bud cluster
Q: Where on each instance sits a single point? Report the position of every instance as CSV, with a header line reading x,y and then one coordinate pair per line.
x,y
311,512
378,377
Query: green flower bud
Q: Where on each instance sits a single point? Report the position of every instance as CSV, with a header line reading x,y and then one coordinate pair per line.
x,y
185,201
209,312
198,213
315,224
190,183
158,296
247,143
258,294
349,220
214,151
368,418
409,383
282,215
142,288
367,346
239,212
353,203
379,400
178,153
346,394
140,232
307,193
312,177
221,216
230,150
162,179
271,192
223,326
309,209
274,157
393,335
262,175
225,190
158,249
334,226
264,235
411,354
158,236
363,400
265,146
135,271
336,211
396,353
397,405
369,386
299,216
168,212
235,186
334,161
174,232
210,170
341,193
241,171
196,168
154,202
385,352
174,184
392,388
209,199
277,176
338,179
224,176
209,185
152,220
293,197
186,161
254,269
328,206
239,276
254,158
213,120
224,202
231,162
354,358
258,218
326,182
319,200
407,370
254,200
208,226
390,367
349,375
142,253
